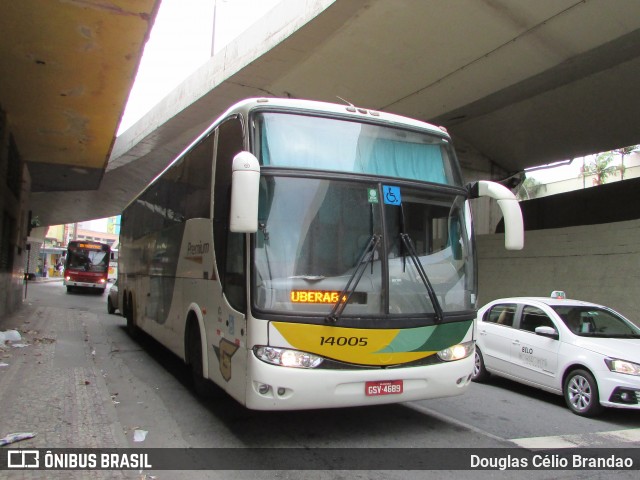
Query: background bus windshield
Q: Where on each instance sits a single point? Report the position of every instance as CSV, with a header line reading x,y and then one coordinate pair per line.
x,y
87,259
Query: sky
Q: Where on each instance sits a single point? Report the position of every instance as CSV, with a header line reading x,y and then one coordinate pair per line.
x,y
180,42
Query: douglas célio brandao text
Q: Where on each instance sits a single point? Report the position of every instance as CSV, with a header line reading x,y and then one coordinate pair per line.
x,y
551,462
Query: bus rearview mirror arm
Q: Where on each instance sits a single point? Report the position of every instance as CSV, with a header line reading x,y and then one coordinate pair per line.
x,y
245,187
510,207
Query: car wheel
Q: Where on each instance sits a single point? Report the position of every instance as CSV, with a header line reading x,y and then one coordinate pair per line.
x,y
479,371
581,393
110,307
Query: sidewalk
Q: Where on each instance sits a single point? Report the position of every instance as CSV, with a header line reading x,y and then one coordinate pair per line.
x,y
46,279
50,386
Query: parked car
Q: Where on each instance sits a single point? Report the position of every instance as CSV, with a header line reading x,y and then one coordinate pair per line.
x,y
112,299
586,352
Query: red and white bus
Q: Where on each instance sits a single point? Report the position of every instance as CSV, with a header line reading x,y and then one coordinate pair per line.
x,y
87,265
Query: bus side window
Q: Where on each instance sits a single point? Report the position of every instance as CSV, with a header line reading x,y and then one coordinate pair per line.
x,y
229,247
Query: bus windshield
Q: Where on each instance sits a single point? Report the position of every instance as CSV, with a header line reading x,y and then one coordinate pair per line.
x,y
88,257
299,141
315,234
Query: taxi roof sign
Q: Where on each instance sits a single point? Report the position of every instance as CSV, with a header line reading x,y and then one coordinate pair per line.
x,y
558,294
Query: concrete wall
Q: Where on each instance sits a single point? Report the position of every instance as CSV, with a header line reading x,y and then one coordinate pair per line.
x,y
598,263
15,185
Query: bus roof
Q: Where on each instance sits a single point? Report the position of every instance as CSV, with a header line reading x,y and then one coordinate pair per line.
x,y
346,110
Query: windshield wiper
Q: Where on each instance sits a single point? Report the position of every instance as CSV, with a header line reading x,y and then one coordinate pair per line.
x,y
406,239
351,285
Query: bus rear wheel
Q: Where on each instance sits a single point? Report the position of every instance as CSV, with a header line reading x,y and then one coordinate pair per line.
x,y
128,307
110,308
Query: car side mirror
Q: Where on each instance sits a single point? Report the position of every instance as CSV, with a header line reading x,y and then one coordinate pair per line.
x,y
549,332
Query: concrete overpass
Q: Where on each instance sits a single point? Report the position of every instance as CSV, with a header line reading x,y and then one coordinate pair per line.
x,y
517,83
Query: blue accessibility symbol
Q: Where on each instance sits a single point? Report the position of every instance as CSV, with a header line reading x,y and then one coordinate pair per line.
x,y
391,195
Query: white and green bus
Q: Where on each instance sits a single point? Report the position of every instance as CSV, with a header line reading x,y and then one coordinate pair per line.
x,y
309,255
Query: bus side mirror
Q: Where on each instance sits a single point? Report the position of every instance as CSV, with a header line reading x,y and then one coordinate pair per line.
x,y
513,224
245,186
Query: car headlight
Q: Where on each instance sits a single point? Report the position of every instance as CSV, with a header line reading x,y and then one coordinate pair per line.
x,y
456,352
622,366
287,358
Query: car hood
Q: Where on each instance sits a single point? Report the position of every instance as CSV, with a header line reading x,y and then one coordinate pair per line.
x,y
622,348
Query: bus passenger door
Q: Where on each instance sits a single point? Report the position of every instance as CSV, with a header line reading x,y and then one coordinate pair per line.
x,y
228,364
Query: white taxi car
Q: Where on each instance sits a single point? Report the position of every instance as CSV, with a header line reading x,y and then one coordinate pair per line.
x,y
588,353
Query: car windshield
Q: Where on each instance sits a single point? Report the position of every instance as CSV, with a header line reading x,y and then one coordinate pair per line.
x,y
596,322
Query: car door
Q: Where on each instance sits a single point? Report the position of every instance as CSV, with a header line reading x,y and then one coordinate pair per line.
x,y
534,358
496,335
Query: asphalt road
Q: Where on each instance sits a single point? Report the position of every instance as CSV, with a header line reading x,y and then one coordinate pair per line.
x,y
147,386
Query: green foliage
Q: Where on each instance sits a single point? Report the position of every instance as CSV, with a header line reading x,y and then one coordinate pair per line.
x,y
626,150
529,189
622,152
600,169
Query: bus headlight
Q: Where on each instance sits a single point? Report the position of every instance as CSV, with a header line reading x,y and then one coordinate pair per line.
x,y
622,366
286,357
456,352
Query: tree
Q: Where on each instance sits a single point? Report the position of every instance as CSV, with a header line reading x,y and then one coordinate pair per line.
x,y
529,189
622,152
600,168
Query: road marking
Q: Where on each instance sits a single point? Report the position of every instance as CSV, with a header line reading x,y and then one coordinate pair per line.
x,y
585,440
454,421
599,439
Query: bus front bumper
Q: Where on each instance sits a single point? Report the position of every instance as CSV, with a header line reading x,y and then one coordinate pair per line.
x,y
73,283
273,387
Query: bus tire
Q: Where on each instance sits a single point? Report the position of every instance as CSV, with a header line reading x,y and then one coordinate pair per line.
x,y
132,328
110,308
203,387
194,357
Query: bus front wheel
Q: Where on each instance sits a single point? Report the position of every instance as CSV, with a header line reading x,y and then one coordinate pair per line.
x,y
201,386
194,357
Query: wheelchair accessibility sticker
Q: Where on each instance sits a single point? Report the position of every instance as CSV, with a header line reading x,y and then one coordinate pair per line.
x,y
391,195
